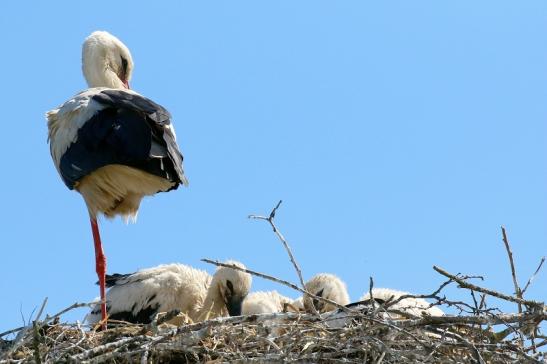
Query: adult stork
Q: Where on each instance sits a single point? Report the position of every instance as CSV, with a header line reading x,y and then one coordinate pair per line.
x,y
111,144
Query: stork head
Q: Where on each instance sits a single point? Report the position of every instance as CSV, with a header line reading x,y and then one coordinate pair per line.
x,y
233,286
327,286
106,61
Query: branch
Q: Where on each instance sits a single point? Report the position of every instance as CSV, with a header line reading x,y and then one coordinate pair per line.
x,y
501,319
22,335
270,219
518,292
490,292
532,277
280,281
105,347
69,308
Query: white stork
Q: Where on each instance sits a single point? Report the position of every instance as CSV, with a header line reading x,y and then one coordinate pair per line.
x,y
138,297
111,144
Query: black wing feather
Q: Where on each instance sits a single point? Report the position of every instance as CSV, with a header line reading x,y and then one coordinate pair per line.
x,y
115,279
124,133
143,316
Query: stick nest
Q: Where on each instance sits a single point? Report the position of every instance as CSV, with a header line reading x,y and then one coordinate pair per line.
x,y
373,333
360,336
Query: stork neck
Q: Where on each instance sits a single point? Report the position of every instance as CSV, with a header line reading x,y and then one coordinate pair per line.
x,y
98,74
213,305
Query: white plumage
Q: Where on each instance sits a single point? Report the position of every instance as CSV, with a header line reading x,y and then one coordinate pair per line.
x,y
382,296
139,296
414,306
298,304
264,302
327,286
103,62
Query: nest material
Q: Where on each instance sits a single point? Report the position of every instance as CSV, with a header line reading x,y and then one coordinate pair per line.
x,y
359,337
480,334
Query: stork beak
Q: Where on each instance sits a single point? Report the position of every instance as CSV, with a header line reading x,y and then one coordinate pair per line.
x,y
234,305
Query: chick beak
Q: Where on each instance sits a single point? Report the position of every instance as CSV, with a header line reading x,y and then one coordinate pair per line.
x,y
233,304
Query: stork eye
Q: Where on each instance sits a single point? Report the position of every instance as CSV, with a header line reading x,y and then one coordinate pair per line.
x,y
123,70
320,293
124,64
316,303
230,287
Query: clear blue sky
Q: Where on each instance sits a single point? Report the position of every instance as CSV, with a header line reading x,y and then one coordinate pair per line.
x,y
399,135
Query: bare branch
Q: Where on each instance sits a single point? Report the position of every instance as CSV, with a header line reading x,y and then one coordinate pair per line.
x,y
518,292
490,292
69,308
270,219
277,280
533,275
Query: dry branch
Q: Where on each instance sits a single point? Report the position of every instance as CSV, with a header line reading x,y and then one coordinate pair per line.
x,y
270,219
518,291
277,280
533,275
490,292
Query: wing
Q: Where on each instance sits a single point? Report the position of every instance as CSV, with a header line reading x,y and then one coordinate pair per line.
x,y
120,127
132,298
137,297
116,279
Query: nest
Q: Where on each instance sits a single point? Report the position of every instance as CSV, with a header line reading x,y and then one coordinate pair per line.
x,y
362,333
354,336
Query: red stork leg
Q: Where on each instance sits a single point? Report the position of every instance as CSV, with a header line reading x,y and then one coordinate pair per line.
x,y
100,267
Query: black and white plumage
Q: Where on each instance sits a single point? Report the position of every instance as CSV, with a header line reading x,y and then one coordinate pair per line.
x,y
139,296
125,128
111,144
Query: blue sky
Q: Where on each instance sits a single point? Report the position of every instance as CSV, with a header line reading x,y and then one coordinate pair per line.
x,y
398,134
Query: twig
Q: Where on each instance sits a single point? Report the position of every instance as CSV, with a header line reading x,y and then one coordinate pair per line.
x,y
36,334
23,315
431,295
483,301
69,308
536,346
370,287
381,358
41,309
144,358
270,219
477,309
280,281
12,331
529,280
103,348
490,292
21,336
518,292
481,320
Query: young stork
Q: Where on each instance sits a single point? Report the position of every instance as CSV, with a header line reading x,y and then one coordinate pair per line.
x,y
138,297
111,144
